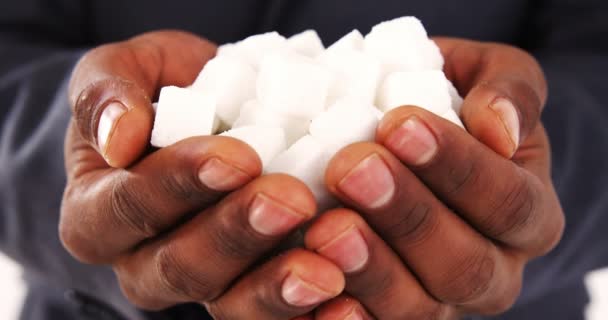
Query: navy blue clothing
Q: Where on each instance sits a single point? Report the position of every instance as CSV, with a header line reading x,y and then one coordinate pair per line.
x,y
41,40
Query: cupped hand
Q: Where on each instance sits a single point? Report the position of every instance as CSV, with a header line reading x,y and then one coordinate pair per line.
x,y
192,222
441,222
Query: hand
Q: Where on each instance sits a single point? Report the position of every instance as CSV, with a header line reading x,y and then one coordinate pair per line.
x,y
190,222
442,222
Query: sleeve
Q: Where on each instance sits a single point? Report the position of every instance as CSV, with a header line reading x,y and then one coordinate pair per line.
x,y
40,42
570,39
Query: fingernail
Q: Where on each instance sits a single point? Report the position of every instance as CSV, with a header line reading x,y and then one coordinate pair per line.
x,y
370,183
271,218
509,118
413,142
348,251
298,293
107,122
217,175
354,315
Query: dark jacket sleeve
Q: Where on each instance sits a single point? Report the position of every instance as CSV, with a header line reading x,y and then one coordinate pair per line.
x,y
569,38
40,41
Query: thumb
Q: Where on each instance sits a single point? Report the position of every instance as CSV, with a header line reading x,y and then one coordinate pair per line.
x,y
112,88
505,91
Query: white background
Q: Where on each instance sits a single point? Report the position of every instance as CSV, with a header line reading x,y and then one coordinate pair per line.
x,y
12,292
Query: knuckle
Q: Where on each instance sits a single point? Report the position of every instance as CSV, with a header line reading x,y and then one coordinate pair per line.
x,y
130,285
132,210
413,224
181,280
502,298
461,178
555,233
383,282
180,186
233,241
133,296
469,280
77,243
513,212
503,302
232,236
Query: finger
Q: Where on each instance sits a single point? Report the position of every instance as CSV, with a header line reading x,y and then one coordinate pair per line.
x,y
456,264
200,259
107,212
285,287
509,202
375,275
344,308
505,91
112,86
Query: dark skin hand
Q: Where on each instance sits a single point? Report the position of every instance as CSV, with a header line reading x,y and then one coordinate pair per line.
x,y
190,222
195,222
441,223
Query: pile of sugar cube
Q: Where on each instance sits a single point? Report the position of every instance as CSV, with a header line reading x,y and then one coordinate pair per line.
x,y
296,103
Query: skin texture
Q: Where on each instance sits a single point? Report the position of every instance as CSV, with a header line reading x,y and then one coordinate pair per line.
x,y
195,222
178,224
433,253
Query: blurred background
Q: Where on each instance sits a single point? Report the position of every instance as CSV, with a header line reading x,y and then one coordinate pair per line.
x,y
12,292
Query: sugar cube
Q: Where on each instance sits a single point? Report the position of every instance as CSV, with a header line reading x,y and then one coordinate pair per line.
x,y
402,45
252,113
228,49
379,114
255,48
354,40
347,121
231,81
293,85
182,113
306,160
268,142
456,98
307,43
425,89
356,75
453,117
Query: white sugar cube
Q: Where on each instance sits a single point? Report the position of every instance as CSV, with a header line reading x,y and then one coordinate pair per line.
x,y
425,89
228,49
354,40
255,48
348,121
293,85
268,142
456,98
402,45
453,117
307,43
231,81
253,113
182,113
379,114
306,160
356,75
